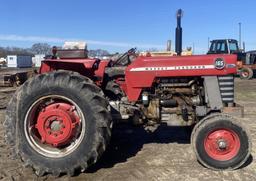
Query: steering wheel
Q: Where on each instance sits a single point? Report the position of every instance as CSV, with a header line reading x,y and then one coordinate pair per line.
x,y
125,58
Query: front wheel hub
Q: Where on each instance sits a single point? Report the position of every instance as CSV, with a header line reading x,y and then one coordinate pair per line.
x,y
222,144
57,124
245,74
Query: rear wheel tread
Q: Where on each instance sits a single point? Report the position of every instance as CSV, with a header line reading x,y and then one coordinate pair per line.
x,y
99,106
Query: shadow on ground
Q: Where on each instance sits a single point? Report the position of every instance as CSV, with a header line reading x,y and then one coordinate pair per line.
x,y
128,140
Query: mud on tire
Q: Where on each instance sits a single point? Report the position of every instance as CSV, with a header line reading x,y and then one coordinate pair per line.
x,y
206,138
85,96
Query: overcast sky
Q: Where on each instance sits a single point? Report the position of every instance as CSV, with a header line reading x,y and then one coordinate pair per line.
x,y
116,25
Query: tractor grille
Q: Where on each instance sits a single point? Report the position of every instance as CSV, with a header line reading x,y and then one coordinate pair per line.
x,y
226,84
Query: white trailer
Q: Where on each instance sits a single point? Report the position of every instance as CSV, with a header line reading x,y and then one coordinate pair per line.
x,y
19,61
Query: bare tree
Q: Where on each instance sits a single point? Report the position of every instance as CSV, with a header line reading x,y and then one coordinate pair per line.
x,y
41,48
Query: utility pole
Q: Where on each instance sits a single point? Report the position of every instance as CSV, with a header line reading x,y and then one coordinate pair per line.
x,y
208,43
240,35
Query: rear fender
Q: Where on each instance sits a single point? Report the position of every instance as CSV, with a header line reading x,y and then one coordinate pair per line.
x,y
91,68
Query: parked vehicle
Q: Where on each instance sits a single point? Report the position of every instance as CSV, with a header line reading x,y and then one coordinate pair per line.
x,y
19,61
246,60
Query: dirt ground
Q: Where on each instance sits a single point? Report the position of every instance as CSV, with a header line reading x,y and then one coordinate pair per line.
x,y
135,154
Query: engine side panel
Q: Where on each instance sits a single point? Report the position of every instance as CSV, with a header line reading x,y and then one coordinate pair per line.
x,y
212,90
144,70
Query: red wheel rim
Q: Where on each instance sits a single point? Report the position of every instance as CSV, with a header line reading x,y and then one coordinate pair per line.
x,y
245,74
57,123
222,144
54,126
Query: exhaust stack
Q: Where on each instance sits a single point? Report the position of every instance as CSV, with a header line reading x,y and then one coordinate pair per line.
x,y
178,36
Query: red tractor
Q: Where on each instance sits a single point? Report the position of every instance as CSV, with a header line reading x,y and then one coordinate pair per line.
x,y
60,121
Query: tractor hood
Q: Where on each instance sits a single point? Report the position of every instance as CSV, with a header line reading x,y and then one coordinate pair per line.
x,y
144,70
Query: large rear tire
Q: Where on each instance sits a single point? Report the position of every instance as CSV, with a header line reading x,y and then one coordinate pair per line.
x,y
58,123
221,142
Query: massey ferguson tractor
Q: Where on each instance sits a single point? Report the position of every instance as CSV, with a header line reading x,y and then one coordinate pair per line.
x,y
59,122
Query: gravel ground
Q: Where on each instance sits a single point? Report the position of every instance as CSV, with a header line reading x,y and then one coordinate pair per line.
x,y
135,154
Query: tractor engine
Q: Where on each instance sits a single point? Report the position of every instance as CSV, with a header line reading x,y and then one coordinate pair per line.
x,y
179,101
173,100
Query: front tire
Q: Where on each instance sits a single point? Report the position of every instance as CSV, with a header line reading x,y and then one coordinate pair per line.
x,y
58,123
221,142
246,73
